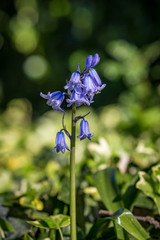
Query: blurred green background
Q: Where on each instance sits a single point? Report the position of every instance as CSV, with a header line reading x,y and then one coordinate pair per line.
x,y
41,43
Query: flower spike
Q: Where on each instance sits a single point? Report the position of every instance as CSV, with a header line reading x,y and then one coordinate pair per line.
x,y
81,89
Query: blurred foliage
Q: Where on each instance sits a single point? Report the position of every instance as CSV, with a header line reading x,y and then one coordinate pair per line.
x,y
40,38
41,43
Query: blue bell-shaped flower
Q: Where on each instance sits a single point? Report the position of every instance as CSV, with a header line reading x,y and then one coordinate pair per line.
x,y
55,99
74,82
78,97
84,130
94,75
61,143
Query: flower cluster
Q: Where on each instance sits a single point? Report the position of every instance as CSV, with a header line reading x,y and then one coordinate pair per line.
x,y
81,89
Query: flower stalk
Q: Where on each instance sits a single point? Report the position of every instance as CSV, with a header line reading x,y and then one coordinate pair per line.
x,y
81,89
72,177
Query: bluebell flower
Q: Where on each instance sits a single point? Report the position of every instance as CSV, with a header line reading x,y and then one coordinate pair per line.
x,y
79,98
94,75
84,130
74,82
95,60
91,61
88,61
61,143
90,86
55,100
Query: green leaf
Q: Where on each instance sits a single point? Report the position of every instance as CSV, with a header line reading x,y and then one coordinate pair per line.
x,y
97,229
27,237
149,186
105,182
6,226
156,172
52,222
124,219
130,194
30,202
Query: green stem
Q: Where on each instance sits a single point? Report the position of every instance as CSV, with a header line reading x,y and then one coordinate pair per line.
x,y
72,178
60,232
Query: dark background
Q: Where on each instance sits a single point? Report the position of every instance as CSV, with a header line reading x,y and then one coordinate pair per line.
x,y
62,34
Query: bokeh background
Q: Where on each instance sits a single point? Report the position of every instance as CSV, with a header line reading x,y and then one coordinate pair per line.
x,y
43,41
41,44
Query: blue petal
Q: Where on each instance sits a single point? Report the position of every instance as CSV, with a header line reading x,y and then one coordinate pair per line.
x,y
95,60
58,138
57,95
75,78
74,82
54,148
63,143
84,130
63,150
90,83
60,143
79,98
55,99
88,61
95,76
45,96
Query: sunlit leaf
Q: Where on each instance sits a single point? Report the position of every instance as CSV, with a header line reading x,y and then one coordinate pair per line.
x,y
52,222
32,203
150,186
124,219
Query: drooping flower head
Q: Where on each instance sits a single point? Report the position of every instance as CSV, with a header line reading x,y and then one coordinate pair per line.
x,y
61,143
55,100
84,130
